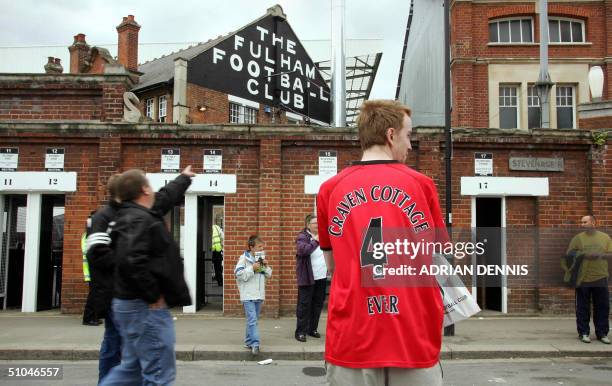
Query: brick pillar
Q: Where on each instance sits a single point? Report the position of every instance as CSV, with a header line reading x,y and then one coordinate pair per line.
x,y
269,220
112,101
109,157
127,53
601,183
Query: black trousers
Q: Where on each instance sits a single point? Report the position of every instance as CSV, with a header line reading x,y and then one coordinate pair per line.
x,y
89,314
598,292
309,305
217,259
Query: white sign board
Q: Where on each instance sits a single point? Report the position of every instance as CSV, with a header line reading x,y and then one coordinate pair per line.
x,y
328,163
200,184
483,164
213,160
38,181
9,158
504,186
170,160
313,183
54,159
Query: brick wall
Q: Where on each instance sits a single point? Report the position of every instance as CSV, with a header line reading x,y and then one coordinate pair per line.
x,y
62,97
270,164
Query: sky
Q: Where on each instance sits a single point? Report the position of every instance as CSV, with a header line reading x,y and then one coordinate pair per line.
x,y
27,23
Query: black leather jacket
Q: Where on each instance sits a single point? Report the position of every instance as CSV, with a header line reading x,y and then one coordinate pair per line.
x,y
148,259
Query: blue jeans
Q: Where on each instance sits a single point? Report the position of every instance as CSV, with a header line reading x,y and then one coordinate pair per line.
x,y
251,310
147,354
110,349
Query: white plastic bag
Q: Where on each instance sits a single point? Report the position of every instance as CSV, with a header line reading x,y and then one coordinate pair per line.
x,y
458,302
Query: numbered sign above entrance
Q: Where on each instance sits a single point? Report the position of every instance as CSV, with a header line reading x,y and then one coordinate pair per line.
x,y
9,158
170,160
328,162
504,186
38,181
213,160
201,184
54,159
483,164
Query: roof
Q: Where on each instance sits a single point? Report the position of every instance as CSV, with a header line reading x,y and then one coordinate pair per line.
x,y
360,74
161,70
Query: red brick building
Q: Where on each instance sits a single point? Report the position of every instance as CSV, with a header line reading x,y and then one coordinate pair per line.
x,y
269,175
495,61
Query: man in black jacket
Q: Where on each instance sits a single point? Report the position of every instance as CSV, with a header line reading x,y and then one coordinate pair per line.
x,y
148,280
101,257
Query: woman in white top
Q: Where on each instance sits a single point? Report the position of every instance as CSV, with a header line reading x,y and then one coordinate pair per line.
x,y
311,274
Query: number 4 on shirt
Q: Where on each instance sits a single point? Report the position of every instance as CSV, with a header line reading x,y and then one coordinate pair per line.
x,y
372,237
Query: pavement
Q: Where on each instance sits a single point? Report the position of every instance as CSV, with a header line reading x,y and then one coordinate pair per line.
x,y
203,336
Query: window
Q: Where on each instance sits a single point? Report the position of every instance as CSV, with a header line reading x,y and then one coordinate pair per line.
x,y
511,31
163,104
565,30
533,107
149,108
508,107
565,107
242,114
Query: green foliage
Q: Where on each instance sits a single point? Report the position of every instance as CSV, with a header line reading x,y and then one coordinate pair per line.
x,y
600,137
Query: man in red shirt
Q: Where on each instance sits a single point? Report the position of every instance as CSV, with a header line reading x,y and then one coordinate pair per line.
x,y
385,320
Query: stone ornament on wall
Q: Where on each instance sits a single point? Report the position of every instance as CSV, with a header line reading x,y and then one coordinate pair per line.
x,y
131,113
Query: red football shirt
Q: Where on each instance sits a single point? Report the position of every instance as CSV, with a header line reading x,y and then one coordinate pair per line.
x,y
379,321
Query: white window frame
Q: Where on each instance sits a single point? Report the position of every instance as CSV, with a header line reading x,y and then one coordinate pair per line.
x,y
574,100
150,108
162,112
582,23
517,87
532,98
497,21
242,113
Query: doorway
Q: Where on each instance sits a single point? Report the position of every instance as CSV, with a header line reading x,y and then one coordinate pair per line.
x,y
489,229
50,251
209,292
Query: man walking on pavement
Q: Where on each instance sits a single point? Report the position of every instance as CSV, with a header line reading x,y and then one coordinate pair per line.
x,y
101,254
379,334
595,248
149,280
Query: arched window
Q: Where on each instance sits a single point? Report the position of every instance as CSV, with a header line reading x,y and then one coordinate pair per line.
x,y
564,30
511,30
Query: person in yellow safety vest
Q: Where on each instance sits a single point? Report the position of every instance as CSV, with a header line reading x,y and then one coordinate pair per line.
x,y
217,253
89,314
86,274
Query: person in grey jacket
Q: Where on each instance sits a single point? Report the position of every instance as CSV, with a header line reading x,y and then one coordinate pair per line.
x,y
251,273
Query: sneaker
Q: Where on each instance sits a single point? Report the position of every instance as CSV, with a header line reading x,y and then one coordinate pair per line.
x,y
604,339
585,339
255,350
247,346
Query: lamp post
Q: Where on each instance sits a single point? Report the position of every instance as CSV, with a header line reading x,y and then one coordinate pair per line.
x,y
338,80
544,84
448,151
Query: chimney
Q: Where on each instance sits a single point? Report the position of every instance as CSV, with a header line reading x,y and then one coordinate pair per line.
x,y
53,66
78,52
128,43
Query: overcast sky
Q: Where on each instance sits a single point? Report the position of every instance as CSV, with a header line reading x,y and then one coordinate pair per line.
x,y
54,22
